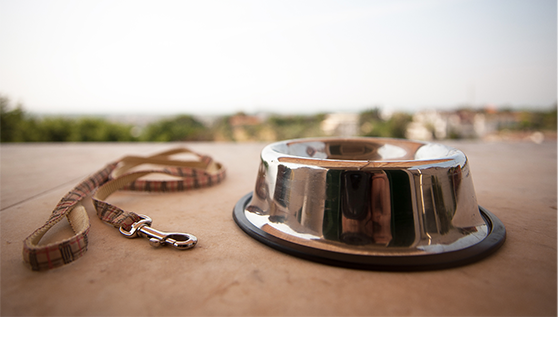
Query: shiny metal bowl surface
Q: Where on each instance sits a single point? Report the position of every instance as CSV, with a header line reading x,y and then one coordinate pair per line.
x,y
372,203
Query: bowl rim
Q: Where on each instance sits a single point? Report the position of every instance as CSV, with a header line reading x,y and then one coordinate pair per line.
x,y
452,155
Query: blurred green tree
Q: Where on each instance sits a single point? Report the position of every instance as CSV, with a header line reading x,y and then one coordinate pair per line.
x,y
296,126
372,125
180,128
10,121
57,129
549,120
96,129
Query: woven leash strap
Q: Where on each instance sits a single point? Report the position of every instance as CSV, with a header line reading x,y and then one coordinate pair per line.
x,y
187,175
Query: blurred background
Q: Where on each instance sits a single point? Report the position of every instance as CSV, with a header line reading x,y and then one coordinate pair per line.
x,y
271,70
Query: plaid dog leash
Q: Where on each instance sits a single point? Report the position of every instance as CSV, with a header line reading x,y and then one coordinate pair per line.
x,y
202,172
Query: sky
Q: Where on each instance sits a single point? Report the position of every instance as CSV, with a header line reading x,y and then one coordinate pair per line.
x,y
207,57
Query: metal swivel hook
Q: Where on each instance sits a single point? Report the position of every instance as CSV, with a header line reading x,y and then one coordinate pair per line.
x,y
181,241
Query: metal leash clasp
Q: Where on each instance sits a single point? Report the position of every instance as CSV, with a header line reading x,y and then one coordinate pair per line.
x,y
181,241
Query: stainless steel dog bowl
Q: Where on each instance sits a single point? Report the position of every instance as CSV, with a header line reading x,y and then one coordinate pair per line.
x,y
370,203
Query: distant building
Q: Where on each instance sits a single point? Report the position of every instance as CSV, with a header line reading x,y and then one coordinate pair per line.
x,y
341,124
427,125
458,124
